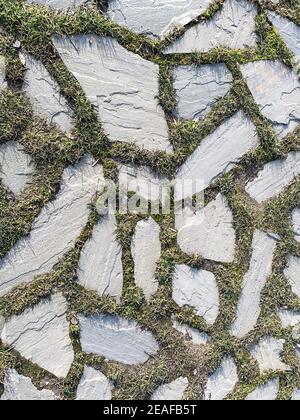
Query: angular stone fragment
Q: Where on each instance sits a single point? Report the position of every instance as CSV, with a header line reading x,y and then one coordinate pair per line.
x,y
20,388
233,27
45,97
116,339
289,31
55,230
296,395
93,386
155,18
263,248
16,167
221,383
198,88
198,338
266,392
276,90
209,232
296,223
2,72
289,318
292,273
100,266
218,153
41,335
171,392
198,289
268,354
121,85
61,4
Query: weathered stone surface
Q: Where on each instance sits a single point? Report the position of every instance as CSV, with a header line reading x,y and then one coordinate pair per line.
x,y
274,177
276,90
155,18
16,166
198,289
41,335
198,338
268,354
288,30
208,232
116,339
172,391
100,266
296,395
218,153
289,318
21,388
45,97
55,230
2,72
263,248
296,223
93,386
233,27
146,252
292,273
121,85
61,4
266,392
221,383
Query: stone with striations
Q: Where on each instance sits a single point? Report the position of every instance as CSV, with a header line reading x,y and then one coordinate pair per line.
x,y
171,392
221,383
61,4
296,223
288,318
266,392
268,354
198,338
93,386
292,273
289,31
2,72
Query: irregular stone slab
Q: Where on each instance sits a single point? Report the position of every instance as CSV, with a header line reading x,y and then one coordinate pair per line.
x,y
55,230
121,85
100,266
276,90
289,318
116,339
93,386
268,354
209,232
198,289
45,97
198,338
146,252
248,310
171,392
155,18
16,167
198,88
41,335
2,73
233,27
266,392
20,388
296,224
274,177
296,395
61,4
289,31
292,273
218,153
221,383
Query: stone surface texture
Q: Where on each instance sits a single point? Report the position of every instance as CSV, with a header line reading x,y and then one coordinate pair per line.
x,y
198,338
93,386
2,72
296,223
268,354
292,273
289,31
296,395
266,392
172,391
289,318
61,4
222,382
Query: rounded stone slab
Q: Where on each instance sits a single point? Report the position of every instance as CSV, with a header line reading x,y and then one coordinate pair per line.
x,y
292,273
116,339
121,85
93,386
267,353
198,338
171,392
232,27
2,73
60,4
222,382
296,223
266,392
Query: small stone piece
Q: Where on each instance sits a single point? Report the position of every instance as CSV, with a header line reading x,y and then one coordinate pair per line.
x,y
266,392
2,73
93,386
198,289
289,31
296,395
171,392
268,354
292,273
222,382
61,4
296,224
198,338
289,318
41,335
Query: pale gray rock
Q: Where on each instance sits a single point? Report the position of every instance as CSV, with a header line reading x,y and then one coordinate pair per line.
x,y
292,273
100,266
248,310
266,392
233,27
198,88
198,338
61,4
296,395
55,230
116,339
296,223
289,31
41,335
267,353
20,388
207,232
93,386
2,73
197,289
172,391
217,154
16,167
288,318
121,85
221,383
45,97
276,90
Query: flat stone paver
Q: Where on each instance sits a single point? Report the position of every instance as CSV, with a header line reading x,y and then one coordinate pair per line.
x,y
61,4
289,318
93,386
296,395
292,273
198,338
222,382
266,392
2,72
289,31
296,223
171,392
268,353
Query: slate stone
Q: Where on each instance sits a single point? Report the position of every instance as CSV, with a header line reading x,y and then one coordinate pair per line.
x,y
289,318
2,73
121,85
268,354
289,31
198,338
296,395
171,392
41,335
292,273
93,386
222,382
296,223
266,392
61,4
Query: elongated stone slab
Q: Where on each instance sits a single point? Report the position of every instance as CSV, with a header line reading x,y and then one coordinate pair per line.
x,y
218,153
296,223
171,392
93,386
55,230
197,289
121,85
289,31
221,383
289,318
116,339
248,310
266,392
198,338
41,335
2,72
61,4
268,354
233,27
292,273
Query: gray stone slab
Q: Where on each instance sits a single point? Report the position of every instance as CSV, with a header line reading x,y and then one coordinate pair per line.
x,y
296,395
288,318
93,386
222,382
268,353
171,392
197,337
292,273
2,73
61,4
116,339
121,85
289,31
266,392
233,27
296,223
